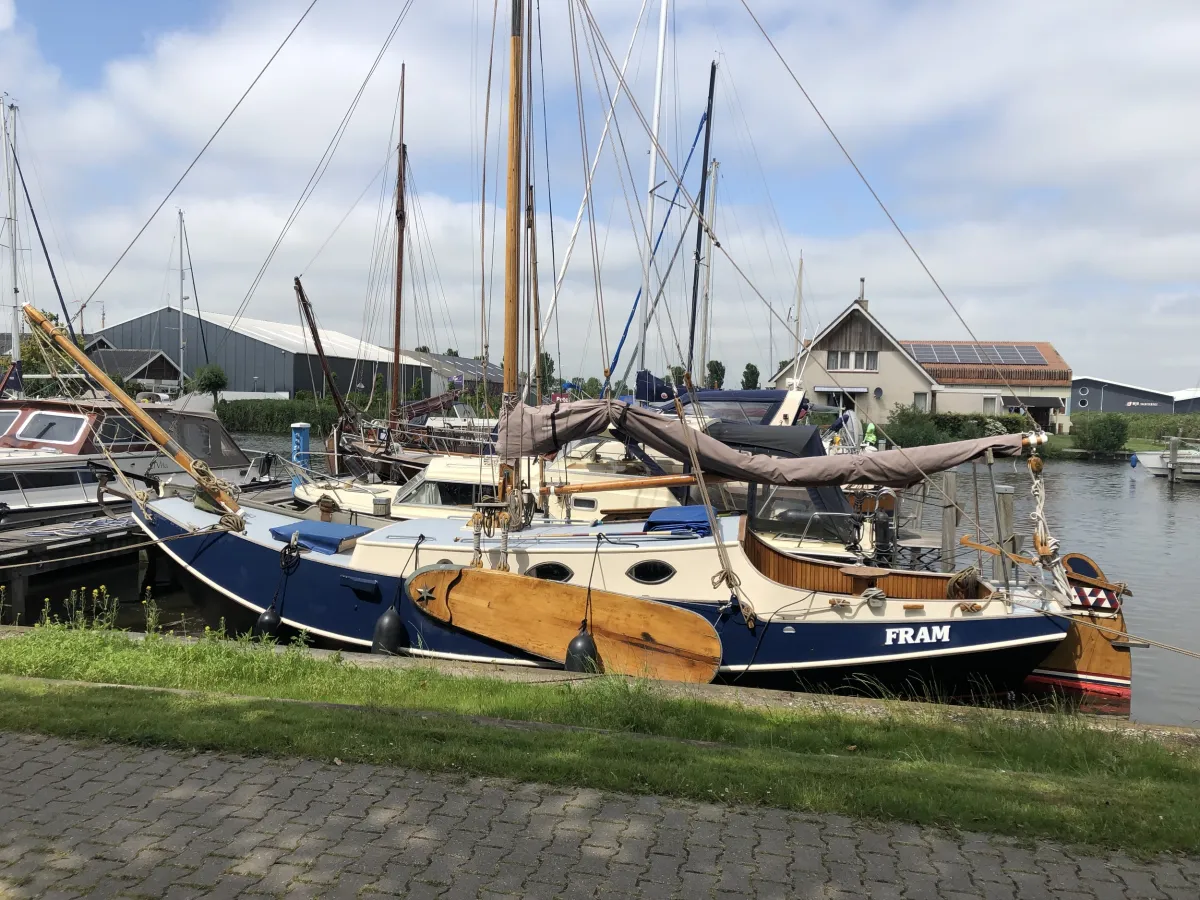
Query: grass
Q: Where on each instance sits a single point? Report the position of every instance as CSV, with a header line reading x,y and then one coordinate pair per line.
x,y
1029,776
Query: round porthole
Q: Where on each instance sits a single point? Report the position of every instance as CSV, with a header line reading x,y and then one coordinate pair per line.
x,y
550,571
651,571
1083,404
445,562
1083,392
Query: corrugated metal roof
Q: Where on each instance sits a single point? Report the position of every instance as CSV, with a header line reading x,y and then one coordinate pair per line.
x,y
296,339
293,338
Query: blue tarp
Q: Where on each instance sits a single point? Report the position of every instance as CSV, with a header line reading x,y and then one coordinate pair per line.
x,y
679,519
323,537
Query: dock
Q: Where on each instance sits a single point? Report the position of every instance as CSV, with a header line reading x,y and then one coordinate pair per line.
x,y
47,549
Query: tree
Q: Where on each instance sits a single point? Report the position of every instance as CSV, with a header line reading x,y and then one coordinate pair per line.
x,y
209,380
450,352
424,348
621,388
783,363
546,371
592,387
715,378
675,376
750,377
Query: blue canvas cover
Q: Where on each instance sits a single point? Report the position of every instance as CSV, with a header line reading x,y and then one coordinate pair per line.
x,y
679,519
322,537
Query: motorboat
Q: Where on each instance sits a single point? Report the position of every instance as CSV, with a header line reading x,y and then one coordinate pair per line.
x,y
53,452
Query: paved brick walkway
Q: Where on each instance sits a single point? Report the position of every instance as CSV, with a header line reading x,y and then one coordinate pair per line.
x,y
111,821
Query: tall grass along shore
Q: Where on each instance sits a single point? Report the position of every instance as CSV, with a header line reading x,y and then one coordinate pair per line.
x,y
1035,776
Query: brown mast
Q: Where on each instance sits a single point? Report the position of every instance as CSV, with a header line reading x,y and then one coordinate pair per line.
x,y
401,216
513,217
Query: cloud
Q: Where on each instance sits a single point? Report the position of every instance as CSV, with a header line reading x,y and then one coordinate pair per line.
x,y
1042,160
8,14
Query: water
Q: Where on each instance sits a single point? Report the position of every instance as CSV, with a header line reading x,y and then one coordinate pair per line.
x,y
1137,528
1139,531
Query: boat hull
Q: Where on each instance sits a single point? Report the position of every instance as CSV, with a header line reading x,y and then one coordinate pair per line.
x,y
323,596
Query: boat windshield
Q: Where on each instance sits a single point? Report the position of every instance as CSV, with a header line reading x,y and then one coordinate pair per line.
x,y
420,491
204,437
792,512
6,420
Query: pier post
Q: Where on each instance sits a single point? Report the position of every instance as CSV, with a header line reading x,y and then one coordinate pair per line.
x,y
1172,459
1002,565
300,445
949,520
18,593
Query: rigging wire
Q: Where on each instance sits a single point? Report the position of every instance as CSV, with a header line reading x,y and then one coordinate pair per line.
x,y
196,159
319,172
484,281
549,190
187,244
878,200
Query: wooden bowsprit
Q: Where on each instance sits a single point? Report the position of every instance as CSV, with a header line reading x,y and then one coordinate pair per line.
x,y
637,637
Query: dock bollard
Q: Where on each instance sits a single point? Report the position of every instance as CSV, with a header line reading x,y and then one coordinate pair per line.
x,y
300,454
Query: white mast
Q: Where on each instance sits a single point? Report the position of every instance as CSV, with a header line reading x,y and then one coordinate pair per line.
x,y
799,302
706,300
182,343
10,172
653,183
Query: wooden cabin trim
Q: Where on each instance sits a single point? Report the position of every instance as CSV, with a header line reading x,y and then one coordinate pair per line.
x,y
828,577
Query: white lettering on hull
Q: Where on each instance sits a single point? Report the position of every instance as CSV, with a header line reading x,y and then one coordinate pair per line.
x,y
934,634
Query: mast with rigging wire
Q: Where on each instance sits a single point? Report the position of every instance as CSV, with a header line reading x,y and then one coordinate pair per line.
x,y
401,221
10,172
655,118
182,342
706,300
512,232
701,226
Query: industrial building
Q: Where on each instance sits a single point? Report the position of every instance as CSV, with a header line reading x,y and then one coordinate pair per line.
x,y
260,356
1089,394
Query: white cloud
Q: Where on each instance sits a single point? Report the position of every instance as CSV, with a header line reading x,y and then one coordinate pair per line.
x,y
8,14
1043,159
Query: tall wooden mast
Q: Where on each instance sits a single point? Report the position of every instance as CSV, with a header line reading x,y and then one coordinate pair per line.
x,y
513,222
401,216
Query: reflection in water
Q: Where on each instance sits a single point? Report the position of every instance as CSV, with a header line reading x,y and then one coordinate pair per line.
x,y
1137,528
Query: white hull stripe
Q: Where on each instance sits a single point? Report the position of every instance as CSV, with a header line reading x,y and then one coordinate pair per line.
x,y
1080,676
894,657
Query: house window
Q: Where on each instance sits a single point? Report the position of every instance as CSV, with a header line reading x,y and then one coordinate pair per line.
x,y
989,406
852,361
921,402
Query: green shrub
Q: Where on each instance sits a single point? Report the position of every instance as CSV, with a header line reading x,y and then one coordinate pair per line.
x,y
909,427
1100,432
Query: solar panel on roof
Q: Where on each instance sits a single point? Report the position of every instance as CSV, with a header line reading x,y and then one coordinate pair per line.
x,y
1031,355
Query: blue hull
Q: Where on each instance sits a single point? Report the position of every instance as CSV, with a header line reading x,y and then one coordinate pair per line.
x,y
342,605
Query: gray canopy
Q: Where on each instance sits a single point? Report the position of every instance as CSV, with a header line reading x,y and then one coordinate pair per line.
x,y
533,431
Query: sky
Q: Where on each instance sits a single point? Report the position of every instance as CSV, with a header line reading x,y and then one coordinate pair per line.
x,y
1043,159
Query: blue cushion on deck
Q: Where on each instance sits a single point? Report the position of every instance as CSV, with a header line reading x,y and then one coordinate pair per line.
x,y
323,537
679,519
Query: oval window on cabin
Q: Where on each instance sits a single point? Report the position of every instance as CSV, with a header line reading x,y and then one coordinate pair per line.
x,y
651,571
584,503
550,571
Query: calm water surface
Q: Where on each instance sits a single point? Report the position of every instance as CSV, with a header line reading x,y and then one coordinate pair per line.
x,y
1134,526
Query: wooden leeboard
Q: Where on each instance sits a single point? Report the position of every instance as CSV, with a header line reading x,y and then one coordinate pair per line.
x,y
634,636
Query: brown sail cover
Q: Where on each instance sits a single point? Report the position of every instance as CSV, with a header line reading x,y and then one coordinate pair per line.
x,y
529,431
